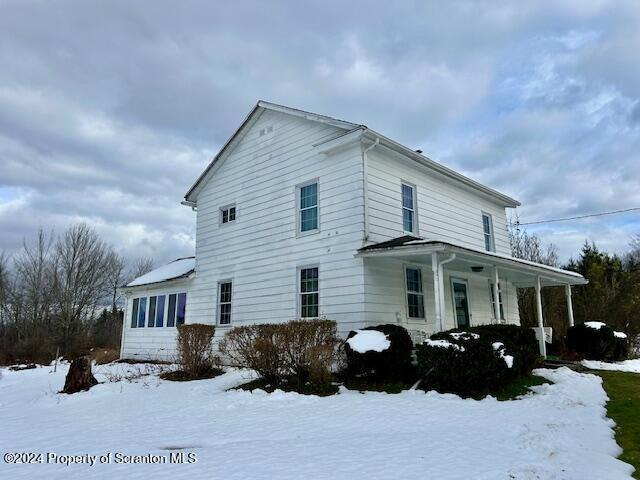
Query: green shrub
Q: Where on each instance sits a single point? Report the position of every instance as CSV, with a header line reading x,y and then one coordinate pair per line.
x,y
389,365
302,351
523,339
468,364
195,353
596,342
621,350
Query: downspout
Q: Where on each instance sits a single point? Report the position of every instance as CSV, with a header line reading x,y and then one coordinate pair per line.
x,y
365,188
451,258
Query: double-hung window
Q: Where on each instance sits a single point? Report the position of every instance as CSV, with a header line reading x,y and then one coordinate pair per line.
x,y
415,294
308,292
307,207
493,303
224,302
487,227
409,220
228,214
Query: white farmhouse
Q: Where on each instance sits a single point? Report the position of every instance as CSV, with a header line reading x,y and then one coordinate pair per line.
x,y
303,215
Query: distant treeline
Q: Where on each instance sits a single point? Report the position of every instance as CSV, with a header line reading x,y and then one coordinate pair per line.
x,y
612,295
59,294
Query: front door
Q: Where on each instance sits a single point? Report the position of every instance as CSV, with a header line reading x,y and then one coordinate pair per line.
x,y
460,302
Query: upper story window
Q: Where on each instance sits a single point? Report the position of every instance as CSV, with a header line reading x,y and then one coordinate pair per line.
x,y
415,295
224,302
309,292
308,207
228,214
409,223
487,227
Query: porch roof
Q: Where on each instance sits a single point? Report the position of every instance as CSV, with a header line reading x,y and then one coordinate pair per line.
x,y
522,273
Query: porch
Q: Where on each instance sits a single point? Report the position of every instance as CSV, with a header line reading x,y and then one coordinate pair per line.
x,y
447,286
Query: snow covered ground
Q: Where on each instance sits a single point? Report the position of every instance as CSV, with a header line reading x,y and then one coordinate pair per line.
x,y
626,366
561,432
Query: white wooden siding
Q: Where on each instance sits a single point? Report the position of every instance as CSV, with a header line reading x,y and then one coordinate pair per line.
x,y
386,302
145,343
261,251
446,211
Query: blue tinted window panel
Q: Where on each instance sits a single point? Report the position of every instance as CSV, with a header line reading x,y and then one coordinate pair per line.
x,y
171,314
309,196
134,313
142,311
181,308
160,311
152,311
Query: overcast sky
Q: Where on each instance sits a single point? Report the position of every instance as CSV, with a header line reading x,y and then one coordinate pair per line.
x,y
110,110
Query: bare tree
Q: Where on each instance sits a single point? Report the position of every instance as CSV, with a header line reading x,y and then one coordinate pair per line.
x,y
117,277
31,289
81,273
528,246
141,266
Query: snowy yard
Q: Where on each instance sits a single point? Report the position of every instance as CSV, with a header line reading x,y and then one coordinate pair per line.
x,y
632,366
561,432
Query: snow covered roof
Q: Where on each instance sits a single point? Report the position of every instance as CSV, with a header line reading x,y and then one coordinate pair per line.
x,y
180,268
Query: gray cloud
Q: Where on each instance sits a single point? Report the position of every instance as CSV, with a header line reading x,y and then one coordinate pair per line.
x,y
109,111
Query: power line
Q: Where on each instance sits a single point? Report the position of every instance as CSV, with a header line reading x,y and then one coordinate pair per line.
x,y
601,214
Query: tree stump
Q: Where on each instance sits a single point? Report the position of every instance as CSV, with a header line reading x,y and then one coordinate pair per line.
x,y
79,378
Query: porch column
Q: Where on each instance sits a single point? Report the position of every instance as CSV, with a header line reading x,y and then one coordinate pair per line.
x,y
438,289
567,292
543,347
496,295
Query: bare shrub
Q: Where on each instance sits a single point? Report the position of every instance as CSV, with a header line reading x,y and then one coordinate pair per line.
x,y
194,348
309,349
303,350
254,347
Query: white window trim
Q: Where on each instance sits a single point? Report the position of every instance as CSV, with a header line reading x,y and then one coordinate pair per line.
x,y
407,291
218,303
416,227
299,232
226,207
492,233
299,291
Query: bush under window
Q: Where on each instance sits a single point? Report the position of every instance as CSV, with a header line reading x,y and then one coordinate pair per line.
x,y
301,351
195,351
468,363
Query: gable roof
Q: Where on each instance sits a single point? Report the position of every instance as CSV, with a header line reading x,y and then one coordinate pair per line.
x,y
364,131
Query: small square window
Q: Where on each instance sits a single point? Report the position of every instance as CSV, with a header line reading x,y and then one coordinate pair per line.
x,y
228,214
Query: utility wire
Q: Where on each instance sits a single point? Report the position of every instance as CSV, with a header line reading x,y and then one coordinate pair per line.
x,y
601,214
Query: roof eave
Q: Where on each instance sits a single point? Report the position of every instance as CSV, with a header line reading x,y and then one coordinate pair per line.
x,y
506,200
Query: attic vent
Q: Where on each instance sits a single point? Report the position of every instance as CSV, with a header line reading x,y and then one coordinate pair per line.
x,y
265,130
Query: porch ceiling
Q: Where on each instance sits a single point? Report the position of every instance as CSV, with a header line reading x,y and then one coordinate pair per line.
x,y
522,273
